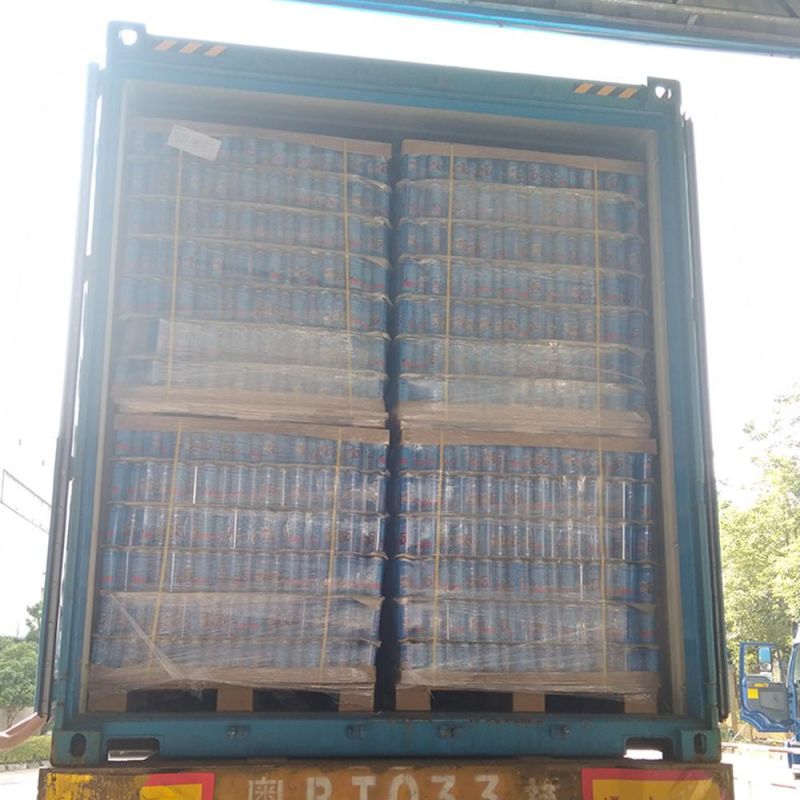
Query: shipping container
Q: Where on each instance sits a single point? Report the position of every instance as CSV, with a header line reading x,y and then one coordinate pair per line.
x,y
291,253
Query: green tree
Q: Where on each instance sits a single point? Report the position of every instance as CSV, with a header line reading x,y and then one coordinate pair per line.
x,y
33,621
17,676
761,542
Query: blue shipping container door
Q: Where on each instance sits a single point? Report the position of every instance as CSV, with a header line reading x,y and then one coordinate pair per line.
x,y
629,148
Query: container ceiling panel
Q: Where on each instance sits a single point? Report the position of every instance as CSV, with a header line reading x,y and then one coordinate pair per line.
x,y
760,26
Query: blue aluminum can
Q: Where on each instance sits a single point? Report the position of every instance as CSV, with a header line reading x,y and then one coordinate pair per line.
x,y
414,167
621,582
485,577
541,575
518,578
436,200
644,502
645,589
559,176
201,570
435,238
498,242
120,473
240,486
514,172
646,627
621,624
471,489
536,213
586,250
617,541
628,216
117,532
568,324
142,570
633,254
208,488
484,242
112,569
644,548
438,166
148,526
247,526
485,169
632,185
490,495
611,181
614,325
568,579
590,581
608,214
511,244
464,239
465,168
513,207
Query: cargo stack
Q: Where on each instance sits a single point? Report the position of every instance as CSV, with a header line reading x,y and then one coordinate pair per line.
x,y
525,552
241,537
260,290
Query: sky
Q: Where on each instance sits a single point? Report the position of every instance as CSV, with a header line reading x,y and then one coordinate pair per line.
x,y
746,119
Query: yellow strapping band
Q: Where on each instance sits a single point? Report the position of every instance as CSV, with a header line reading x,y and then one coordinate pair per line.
x,y
175,253
437,550
331,557
448,286
601,494
167,541
347,307
598,288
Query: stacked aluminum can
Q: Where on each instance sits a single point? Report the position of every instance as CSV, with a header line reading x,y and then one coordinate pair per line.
x,y
265,548
262,271
514,559
254,285
519,282
520,287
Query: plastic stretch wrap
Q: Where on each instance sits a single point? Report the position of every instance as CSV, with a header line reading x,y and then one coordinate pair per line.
x,y
519,564
253,283
520,287
235,554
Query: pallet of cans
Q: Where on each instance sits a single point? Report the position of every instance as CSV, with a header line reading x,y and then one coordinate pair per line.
x,y
526,563
236,553
520,291
254,284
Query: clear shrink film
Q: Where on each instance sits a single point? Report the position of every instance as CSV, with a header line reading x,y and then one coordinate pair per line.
x,y
258,277
230,552
521,286
526,563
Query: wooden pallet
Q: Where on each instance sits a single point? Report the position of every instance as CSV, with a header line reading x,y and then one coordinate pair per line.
x,y
232,699
521,419
532,692
423,698
253,406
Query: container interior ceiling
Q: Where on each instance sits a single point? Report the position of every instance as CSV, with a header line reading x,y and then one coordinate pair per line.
x,y
395,123
381,122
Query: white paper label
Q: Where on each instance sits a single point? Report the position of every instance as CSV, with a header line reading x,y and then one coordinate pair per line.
x,y
194,142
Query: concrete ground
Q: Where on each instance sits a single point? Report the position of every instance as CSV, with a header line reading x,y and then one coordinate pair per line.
x,y
19,784
761,775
